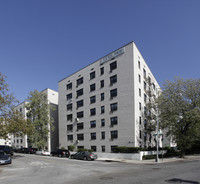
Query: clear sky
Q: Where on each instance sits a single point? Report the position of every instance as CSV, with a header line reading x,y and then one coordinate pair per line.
x,y
44,41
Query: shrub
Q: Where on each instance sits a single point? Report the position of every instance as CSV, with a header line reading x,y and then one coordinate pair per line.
x,y
71,148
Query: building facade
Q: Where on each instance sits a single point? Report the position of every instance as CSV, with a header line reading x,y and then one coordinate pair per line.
x,y
101,106
52,143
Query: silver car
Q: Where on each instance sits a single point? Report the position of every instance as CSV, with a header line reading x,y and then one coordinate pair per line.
x,y
4,158
84,155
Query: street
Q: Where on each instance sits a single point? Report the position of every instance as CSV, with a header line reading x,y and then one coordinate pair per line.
x,y
34,169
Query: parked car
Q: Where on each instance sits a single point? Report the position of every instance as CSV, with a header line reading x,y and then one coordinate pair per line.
x,y
29,150
7,149
84,155
5,158
60,153
42,152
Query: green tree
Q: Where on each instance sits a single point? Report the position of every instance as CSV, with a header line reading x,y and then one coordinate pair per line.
x,y
179,111
39,114
11,122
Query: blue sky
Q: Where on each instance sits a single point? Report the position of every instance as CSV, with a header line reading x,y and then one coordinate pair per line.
x,y
44,41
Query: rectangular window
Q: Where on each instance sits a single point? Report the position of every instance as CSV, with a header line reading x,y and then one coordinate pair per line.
x,y
102,83
144,73
114,134
140,106
102,135
113,79
69,128
92,87
113,120
92,75
79,103
94,148
93,112
113,107
80,114
69,117
102,70
80,137
69,96
102,109
154,87
92,124
93,136
139,78
80,126
92,99
113,148
140,120
79,93
113,93
69,86
102,122
145,98
139,64
113,66
70,137
139,92
69,107
103,148
145,86
79,81
102,96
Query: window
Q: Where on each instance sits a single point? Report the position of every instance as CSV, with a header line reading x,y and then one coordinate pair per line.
x,y
80,126
154,87
102,135
102,96
79,93
102,109
93,136
145,86
102,122
103,148
113,79
113,66
92,99
69,128
139,78
113,107
80,114
20,109
140,134
139,64
69,117
94,148
144,73
92,124
79,81
69,86
140,120
113,148
70,137
114,134
79,103
113,93
145,111
102,83
92,112
102,70
113,121
69,107
139,92
21,140
80,137
92,87
92,75
145,98
69,96
140,106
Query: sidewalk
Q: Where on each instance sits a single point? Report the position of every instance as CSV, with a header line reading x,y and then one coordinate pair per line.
x,y
152,161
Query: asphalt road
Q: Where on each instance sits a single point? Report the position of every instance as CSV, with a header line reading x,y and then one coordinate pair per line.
x,y
33,169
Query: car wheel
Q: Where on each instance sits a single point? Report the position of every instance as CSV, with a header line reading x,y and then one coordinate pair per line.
x,y
85,158
72,157
59,155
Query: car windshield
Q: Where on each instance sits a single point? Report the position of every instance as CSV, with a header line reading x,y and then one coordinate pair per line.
x,y
2,153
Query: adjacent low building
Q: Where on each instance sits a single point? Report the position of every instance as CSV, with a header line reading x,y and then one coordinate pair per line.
x,y
102,105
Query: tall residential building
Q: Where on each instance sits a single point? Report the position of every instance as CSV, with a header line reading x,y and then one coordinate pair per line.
x,y
102,105
52,142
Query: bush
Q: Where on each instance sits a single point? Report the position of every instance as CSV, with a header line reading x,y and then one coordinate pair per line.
x,y
71,148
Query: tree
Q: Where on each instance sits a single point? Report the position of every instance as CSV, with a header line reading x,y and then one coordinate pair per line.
x,y
179,111
11,122
39,114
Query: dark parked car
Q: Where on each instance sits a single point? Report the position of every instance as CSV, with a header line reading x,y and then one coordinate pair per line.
x,y
29,150
60,153
7,149
84,155
5,158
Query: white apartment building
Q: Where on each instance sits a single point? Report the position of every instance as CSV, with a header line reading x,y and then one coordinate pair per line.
x,y
102,105
52,143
